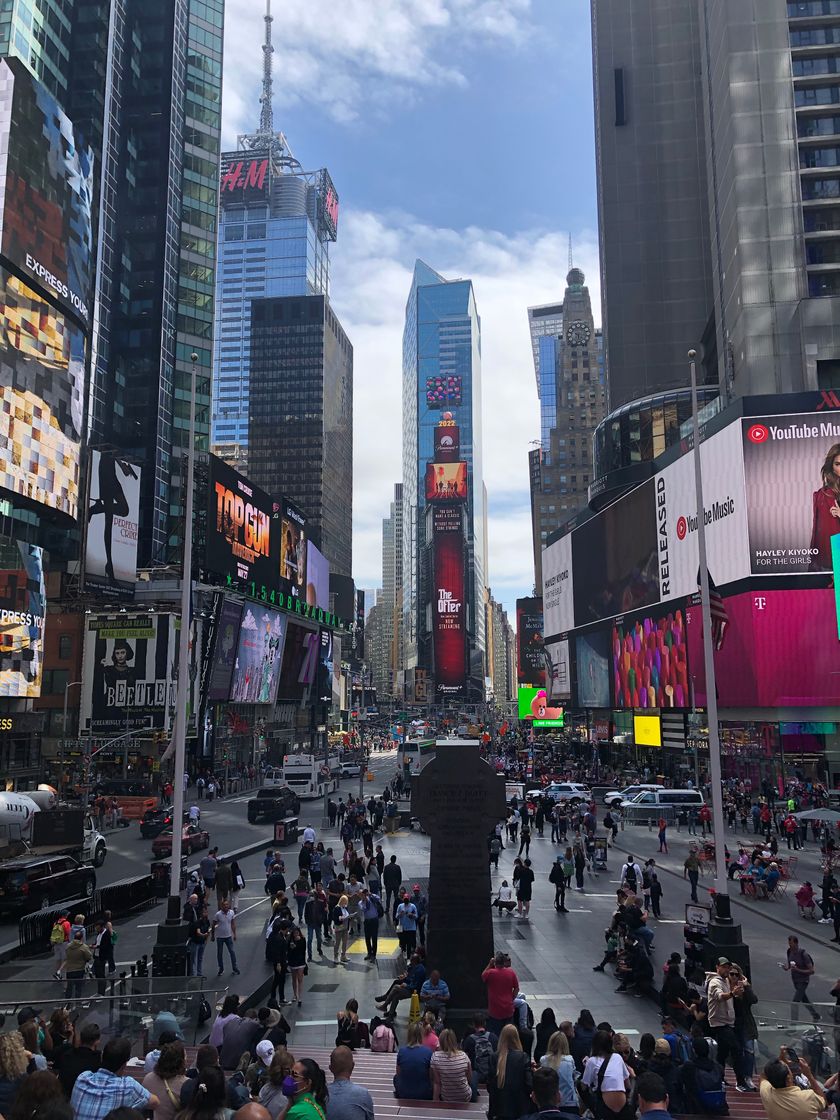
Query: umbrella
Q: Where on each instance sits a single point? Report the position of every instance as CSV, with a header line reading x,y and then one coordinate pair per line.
x,y
829,815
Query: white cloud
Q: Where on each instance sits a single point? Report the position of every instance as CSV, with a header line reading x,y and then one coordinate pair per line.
x,y
371,276
340,55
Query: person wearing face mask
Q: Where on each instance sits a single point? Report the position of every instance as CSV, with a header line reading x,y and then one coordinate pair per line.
x,y
306,1088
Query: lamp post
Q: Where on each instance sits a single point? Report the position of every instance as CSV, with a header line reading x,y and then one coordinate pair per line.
x,y
180,735
67,687
721,880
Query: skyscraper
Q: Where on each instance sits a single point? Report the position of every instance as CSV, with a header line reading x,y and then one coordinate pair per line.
x,y
717,175
392,576
571,384
441,374
276,225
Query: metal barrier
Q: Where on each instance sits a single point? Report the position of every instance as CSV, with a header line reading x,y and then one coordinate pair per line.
x,y
120,898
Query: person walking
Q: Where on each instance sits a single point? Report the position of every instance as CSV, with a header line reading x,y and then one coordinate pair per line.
x,y
371,910
78,956
224,882
314,911
392,878
663,835
691,871
296,962
406,920
524,889
199,932
655,895
207,869
237,885
800,965
422,904
224,920
525,837
557,876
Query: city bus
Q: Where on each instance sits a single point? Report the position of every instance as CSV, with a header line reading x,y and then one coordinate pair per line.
x,y
415,754
309,776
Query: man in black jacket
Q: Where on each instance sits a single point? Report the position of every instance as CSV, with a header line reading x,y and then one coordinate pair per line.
x,y
392,878
557,877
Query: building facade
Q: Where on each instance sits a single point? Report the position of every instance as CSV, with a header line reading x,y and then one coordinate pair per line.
x,y
718,178
569,363
441,374
300,433
501,652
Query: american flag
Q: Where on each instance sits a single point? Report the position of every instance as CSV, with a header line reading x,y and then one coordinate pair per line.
x,y
720,619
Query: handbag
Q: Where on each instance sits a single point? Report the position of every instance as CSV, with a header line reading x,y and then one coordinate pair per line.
x,y
601,1111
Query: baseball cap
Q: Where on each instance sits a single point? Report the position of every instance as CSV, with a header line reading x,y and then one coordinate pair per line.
x,y
662,1046
265,1051
724,960
27,1013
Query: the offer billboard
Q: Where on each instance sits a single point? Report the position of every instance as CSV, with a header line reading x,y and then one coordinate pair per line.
x,y
127,679
792,472
449,625
446,482
259,654
113,524
530,655
47,190
558,587
241,535
23,609
317,578
535,708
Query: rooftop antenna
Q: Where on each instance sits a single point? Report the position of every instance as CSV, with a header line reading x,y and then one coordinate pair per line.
x,y
570,234
266,111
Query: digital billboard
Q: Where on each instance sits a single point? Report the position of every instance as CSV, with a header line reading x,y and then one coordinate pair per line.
x,y
443,392
647,731
772,649
23,609
127,681
593,669
446,482
447,443
259,653
327,206
558,670
42,379
224,651
317,578
47,191
293,539
240,534
448,602
615,558
792,473
558,587
113,524
300,662
359,629
534,707
650,661
530,659
244,178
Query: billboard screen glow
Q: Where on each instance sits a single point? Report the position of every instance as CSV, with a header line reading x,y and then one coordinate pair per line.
x,y
317,578
113,523
534,707
448,603
446,482
262,635
293,539
530,659
650,662
23,609
647,731
224,654
240,536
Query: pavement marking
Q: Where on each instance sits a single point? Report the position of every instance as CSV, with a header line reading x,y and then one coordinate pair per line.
x,y
670,921
323,1023
387,945
148,925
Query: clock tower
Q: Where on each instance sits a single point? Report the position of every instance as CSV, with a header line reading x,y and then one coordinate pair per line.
x,y
562,469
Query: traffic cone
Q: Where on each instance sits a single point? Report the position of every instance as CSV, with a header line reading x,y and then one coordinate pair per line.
x,y
414,1008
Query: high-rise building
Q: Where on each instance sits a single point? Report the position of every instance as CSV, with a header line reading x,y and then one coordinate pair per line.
x,y
275,228
441,374
378,647
500,651
300,434
391,595
718,184
571,383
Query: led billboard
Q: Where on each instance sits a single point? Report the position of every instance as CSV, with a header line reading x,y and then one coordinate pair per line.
x,y
45,209
240,543
244,178
647,731
317,578
448,602
127,681
293,539
224,651
23,608
650,661
300,662
113,524
593,669
530,659
42,378
327,206
446,482
792,473
558,670
558,587
443,392
447,443
534,707
259,653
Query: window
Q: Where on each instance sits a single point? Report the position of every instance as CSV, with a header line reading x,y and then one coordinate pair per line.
x,y
65,647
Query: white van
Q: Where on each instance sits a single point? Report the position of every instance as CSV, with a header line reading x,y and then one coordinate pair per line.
x,y
656,803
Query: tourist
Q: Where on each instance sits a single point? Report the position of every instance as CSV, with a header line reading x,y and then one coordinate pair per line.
x,y
13,1064
614,1083
451,1071
434,994
229,1012
782,1098
558,1058
96,1093
347,1100
306,1088
652,1097
224,920
413,1081
341,927
502,986
509,1078
167,1078
271,1094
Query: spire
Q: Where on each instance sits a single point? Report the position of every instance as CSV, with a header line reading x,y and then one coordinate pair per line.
x,y
266,111
570,250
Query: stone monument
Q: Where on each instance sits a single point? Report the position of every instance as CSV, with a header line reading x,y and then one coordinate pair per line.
x,y
459,799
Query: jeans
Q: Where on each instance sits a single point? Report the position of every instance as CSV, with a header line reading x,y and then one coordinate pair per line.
x,y
645,935
220,945
800,995
693,877
495,1025
278,983
372,936
195,957
340,944
560,895
313,931
75,983
730,1048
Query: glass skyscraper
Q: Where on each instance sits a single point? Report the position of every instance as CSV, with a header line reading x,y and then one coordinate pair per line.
x,y
441,339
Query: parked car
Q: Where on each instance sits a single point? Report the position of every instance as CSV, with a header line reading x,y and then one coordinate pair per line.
x,y
273,803
193,838
350,769
154,822
649,806
573,792
615,797
38,884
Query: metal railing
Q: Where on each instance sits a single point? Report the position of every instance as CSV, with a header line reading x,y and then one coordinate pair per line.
x,y
122,898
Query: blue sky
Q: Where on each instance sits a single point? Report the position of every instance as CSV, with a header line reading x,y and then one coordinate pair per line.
x,y
460,131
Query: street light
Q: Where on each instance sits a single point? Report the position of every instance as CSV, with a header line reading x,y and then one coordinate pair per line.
x,y
67,687
721,880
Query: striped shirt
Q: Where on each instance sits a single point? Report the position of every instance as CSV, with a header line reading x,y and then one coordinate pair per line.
x,y
452,1071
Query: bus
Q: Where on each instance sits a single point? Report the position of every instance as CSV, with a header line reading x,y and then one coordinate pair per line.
x,y
308,776
415,754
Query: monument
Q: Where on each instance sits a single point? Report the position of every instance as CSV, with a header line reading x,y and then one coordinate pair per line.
x,y
459,799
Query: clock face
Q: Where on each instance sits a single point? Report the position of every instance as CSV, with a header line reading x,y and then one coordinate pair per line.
x,y
578,334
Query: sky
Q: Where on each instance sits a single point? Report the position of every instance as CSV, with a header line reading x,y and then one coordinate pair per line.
x,y
461,132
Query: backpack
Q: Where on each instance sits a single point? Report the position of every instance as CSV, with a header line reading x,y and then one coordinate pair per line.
x,y
682,1046
382,1040
380,909
57,934
482,1056
495,846
630,876
710,1092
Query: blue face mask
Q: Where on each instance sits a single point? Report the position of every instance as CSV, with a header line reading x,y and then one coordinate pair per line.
x,y
289,1086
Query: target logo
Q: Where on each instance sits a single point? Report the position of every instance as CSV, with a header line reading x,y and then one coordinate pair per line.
x,y
682,528
757,433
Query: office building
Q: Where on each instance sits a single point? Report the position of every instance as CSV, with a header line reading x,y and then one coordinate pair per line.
x,y
501,652
378,647
390,597
441,375
300,432
275,228
569,363
718,180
